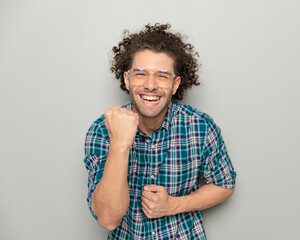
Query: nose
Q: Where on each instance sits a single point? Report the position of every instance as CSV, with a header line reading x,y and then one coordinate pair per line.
x,y
150,84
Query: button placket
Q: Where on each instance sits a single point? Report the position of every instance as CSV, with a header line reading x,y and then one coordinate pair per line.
x,y
152,163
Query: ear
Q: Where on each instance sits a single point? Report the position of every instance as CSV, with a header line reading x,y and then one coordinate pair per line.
x,y
126,79
176,84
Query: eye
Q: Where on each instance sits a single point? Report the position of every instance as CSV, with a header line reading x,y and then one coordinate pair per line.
x,y
140,74
163,76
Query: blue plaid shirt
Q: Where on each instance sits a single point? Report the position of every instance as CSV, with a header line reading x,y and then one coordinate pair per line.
x,y
188,146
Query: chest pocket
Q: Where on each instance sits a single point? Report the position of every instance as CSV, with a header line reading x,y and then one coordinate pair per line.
x,y
180,171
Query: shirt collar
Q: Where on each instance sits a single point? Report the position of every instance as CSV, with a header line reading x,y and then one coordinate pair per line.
x,y
168,118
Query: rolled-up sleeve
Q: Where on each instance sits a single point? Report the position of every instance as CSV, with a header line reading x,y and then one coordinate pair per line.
x,y
96,151
217,169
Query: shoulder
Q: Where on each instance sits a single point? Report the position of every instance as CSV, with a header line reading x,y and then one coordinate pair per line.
x,y
184,111
200,124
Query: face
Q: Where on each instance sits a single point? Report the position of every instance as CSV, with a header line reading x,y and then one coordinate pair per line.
x,y
151,82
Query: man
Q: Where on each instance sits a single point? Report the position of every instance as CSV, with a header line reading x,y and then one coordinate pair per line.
x,y
145,159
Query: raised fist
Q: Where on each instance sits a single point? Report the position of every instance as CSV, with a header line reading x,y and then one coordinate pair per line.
x,y
122,125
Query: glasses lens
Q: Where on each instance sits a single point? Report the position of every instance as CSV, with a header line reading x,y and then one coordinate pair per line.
x,y
162,78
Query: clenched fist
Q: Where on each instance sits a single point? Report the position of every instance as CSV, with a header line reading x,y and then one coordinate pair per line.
x,y
156,202
122,125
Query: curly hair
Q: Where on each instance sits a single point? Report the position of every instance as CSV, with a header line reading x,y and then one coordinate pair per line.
x,y
155,38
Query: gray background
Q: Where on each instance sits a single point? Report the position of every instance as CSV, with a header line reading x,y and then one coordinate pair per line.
x,y
55,81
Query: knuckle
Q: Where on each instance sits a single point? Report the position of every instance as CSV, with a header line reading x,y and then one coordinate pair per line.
x,y
115,113
151,207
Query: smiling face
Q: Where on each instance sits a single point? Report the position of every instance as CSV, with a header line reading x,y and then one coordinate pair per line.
x,y
151,82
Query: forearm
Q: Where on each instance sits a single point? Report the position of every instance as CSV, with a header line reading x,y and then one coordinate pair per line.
x,y
205,197
110,200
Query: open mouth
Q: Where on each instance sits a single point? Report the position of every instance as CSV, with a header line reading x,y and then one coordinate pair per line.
x,y
150,99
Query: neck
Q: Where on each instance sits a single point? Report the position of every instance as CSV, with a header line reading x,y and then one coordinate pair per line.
x,y
148,125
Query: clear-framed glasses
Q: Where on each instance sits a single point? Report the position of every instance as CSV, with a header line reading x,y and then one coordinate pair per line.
x,y
161,77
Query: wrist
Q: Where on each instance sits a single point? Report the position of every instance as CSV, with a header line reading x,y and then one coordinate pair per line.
x,y
175,204
118,146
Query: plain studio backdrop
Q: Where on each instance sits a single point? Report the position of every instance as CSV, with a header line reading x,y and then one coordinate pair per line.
x,y
55,81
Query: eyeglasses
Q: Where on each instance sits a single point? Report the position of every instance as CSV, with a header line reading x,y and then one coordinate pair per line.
x,y
141,75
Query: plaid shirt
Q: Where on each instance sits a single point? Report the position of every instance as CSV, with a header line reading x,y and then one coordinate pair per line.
x,y
188,146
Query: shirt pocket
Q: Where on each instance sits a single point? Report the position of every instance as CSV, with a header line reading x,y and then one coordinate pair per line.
x,y
179,173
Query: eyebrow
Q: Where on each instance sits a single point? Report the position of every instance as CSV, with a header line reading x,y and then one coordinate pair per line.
x,y
143,70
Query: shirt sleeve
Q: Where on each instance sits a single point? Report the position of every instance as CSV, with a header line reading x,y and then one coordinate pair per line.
x,y
218,169
96,151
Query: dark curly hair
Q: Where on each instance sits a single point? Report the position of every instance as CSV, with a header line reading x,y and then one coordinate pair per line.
x,y
157,39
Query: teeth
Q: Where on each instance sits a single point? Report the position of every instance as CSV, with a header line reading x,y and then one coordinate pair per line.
x,y
150,98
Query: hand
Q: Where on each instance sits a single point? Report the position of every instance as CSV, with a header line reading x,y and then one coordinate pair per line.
x,y
156,202
122,126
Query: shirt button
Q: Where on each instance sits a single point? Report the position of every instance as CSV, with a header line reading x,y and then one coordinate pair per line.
x,y
153,233
153,146
152,176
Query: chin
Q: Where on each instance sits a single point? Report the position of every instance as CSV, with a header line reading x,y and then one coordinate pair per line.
x,y
148,115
